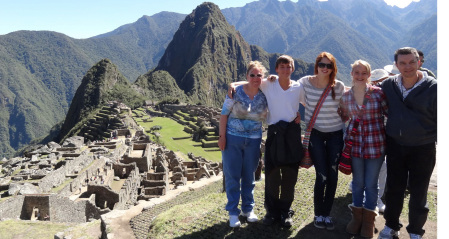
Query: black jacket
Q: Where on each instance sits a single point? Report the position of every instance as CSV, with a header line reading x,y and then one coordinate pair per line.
x,y
413,121
283,144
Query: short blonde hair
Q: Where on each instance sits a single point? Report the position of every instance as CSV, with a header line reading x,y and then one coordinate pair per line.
x,y
257,65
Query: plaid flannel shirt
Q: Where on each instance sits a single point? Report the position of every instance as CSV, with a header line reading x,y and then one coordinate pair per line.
x,y
369,141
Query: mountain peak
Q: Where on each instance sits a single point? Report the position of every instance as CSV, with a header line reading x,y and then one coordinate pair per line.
x,y
205,51
103,82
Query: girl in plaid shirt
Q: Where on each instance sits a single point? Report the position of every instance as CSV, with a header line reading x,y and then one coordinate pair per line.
x,y
368,149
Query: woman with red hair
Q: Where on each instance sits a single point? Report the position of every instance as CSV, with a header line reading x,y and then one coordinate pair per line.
x,y
326,138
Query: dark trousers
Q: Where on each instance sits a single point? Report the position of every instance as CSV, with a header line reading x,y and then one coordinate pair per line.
x,y
325,150
280,184
415,163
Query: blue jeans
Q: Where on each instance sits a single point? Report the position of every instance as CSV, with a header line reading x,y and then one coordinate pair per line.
x,y
365,181
325,150
240,159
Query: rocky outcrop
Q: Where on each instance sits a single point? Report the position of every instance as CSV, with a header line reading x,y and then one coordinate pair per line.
x,y
102,83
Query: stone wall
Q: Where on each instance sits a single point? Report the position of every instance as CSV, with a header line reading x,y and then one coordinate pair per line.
x,y
129,191
11,207
59,209
105,197
143,162
97,167
57,177
123,132
62,209
40,202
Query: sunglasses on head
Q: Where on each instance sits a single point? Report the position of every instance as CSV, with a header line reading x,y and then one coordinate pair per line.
x,y
258,75
322,65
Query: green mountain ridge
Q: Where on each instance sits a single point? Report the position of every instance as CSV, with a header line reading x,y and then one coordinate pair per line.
x,y
41,70
222,57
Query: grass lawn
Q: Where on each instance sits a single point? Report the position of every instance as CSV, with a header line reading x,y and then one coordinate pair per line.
x,y
171,129
29,229
201,214
15,229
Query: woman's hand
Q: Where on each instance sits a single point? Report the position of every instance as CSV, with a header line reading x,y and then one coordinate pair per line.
x,y
231,90
298,118
272,78
222,142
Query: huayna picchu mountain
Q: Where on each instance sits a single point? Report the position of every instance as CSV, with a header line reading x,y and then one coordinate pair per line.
x,y
101,84
205,55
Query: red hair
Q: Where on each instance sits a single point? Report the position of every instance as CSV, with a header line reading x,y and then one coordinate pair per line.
x,y
333,74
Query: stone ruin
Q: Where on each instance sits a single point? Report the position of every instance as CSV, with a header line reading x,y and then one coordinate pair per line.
x,y
102,177
139,153
78,181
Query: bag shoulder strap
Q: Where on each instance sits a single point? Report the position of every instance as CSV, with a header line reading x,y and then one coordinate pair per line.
x,y
305,141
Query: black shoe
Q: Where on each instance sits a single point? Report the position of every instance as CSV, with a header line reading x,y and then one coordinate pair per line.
x,y
329,223
287,221
269,219
319,222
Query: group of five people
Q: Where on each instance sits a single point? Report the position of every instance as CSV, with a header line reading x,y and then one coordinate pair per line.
x,y
407,102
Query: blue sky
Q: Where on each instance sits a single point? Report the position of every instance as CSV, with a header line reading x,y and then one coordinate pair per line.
x,y
87,18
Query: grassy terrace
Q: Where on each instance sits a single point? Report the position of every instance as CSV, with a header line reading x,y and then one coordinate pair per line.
x,y
171,129
14,229
201,214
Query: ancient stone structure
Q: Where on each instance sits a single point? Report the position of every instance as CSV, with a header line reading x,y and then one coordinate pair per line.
x,y
50,207
84,178
139,154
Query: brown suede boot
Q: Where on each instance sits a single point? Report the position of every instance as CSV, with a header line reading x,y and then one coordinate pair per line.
x,y
355,224
369,216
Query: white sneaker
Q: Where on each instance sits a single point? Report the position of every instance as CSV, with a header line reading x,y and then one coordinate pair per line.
x,y
350,186
234,221
380,205
388,233
250,216
415,236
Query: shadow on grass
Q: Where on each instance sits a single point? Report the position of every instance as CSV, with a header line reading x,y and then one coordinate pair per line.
x,y
341,216
247,230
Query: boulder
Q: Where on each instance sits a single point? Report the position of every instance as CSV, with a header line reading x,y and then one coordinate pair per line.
x,y
53,145
22,189
75,141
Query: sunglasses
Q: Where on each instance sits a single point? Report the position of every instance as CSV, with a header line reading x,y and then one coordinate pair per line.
x,y
322,65
258,75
